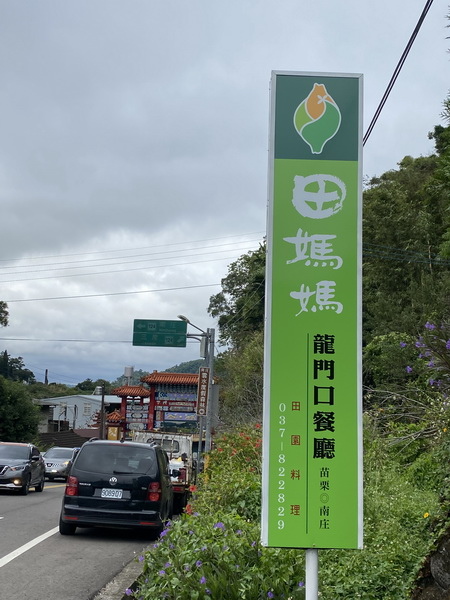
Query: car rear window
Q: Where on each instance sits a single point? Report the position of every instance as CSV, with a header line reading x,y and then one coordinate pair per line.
x,y
117,459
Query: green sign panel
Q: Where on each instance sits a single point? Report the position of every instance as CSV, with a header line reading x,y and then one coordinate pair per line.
x,y
312,467
159,333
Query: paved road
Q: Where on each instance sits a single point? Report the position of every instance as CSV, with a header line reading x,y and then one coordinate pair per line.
x,y
37,563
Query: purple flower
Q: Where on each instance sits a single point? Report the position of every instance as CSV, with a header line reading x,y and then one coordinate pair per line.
x,y
162,572
164,532
270,595
402,344
198,563
430,364
203,580
253,544
408,369
128,592
204,548
219,526
141,558
168,564
447,345
419,345
429,325
191,532
301,584
239,532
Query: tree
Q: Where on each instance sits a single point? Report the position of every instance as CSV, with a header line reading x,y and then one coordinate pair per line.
x,y
239,307
240,375
19,417
89,386
405,220
3,314
40,390
14,369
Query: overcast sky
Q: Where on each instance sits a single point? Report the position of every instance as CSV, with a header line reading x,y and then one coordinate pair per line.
x,y
133,153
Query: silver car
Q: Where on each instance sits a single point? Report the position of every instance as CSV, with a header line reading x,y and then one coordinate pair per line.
x,y
58,462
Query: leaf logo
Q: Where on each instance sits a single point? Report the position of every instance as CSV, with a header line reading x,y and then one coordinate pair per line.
x,y
317,118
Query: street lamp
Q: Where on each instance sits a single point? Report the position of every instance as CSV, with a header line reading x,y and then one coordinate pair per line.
x,y
206,339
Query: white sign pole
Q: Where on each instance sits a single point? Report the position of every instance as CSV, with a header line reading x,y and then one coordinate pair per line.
x,y
312,574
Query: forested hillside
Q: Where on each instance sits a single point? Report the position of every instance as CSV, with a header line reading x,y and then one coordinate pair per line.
x,y
406,371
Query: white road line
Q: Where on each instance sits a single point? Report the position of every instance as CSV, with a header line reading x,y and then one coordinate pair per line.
x,y
12,555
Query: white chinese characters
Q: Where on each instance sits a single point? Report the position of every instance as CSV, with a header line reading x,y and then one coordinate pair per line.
x,y
317,196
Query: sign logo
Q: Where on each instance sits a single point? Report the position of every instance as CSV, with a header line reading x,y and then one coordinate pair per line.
x,y
317,118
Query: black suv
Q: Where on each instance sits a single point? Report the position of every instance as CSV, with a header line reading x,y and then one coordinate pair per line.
x,y
117,484
21,467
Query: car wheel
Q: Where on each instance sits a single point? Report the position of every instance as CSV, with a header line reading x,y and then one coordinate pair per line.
x,y
26,487
66,528
40,486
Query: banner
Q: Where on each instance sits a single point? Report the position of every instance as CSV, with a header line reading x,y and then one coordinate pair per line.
x,y
312,449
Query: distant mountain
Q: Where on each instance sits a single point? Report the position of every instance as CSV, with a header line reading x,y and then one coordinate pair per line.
x,y
191,366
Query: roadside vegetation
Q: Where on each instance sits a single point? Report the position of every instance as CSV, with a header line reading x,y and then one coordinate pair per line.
x,y
213,550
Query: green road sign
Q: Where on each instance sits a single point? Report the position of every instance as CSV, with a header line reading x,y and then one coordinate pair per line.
x,y
159,333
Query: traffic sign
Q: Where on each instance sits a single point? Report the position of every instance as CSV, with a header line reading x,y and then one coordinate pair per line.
x,y
159,333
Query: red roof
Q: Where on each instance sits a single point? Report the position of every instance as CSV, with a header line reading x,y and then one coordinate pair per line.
x,y
134,391
114,417
171,378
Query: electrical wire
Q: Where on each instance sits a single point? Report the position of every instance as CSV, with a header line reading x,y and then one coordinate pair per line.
x,y
90,253
397,70
186,287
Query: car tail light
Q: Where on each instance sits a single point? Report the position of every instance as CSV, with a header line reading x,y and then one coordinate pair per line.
x,y
154,492
72,486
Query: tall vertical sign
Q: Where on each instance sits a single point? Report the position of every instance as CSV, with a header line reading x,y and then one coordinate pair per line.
x,y
312,455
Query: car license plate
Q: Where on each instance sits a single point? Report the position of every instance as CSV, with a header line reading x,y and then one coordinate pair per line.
x,y
110,493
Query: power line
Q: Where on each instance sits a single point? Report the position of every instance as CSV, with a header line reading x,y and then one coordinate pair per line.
x,y
60,265
129,270
259,233
398,68
187,287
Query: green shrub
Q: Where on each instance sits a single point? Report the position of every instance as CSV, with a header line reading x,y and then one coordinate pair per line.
x,y
199,557
213,551
232,475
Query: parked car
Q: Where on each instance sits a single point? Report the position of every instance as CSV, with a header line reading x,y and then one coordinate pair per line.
x,y
58,461
21,467
117,484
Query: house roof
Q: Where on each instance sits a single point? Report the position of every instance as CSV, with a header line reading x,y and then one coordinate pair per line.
x,y
114,417
72,399
133,391
171,378
67,439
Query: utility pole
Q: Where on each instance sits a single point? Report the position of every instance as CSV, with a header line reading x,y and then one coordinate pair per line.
x,y
102,414
207,341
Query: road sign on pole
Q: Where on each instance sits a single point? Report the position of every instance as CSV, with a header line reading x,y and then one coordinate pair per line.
x,y
202,392
159,333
